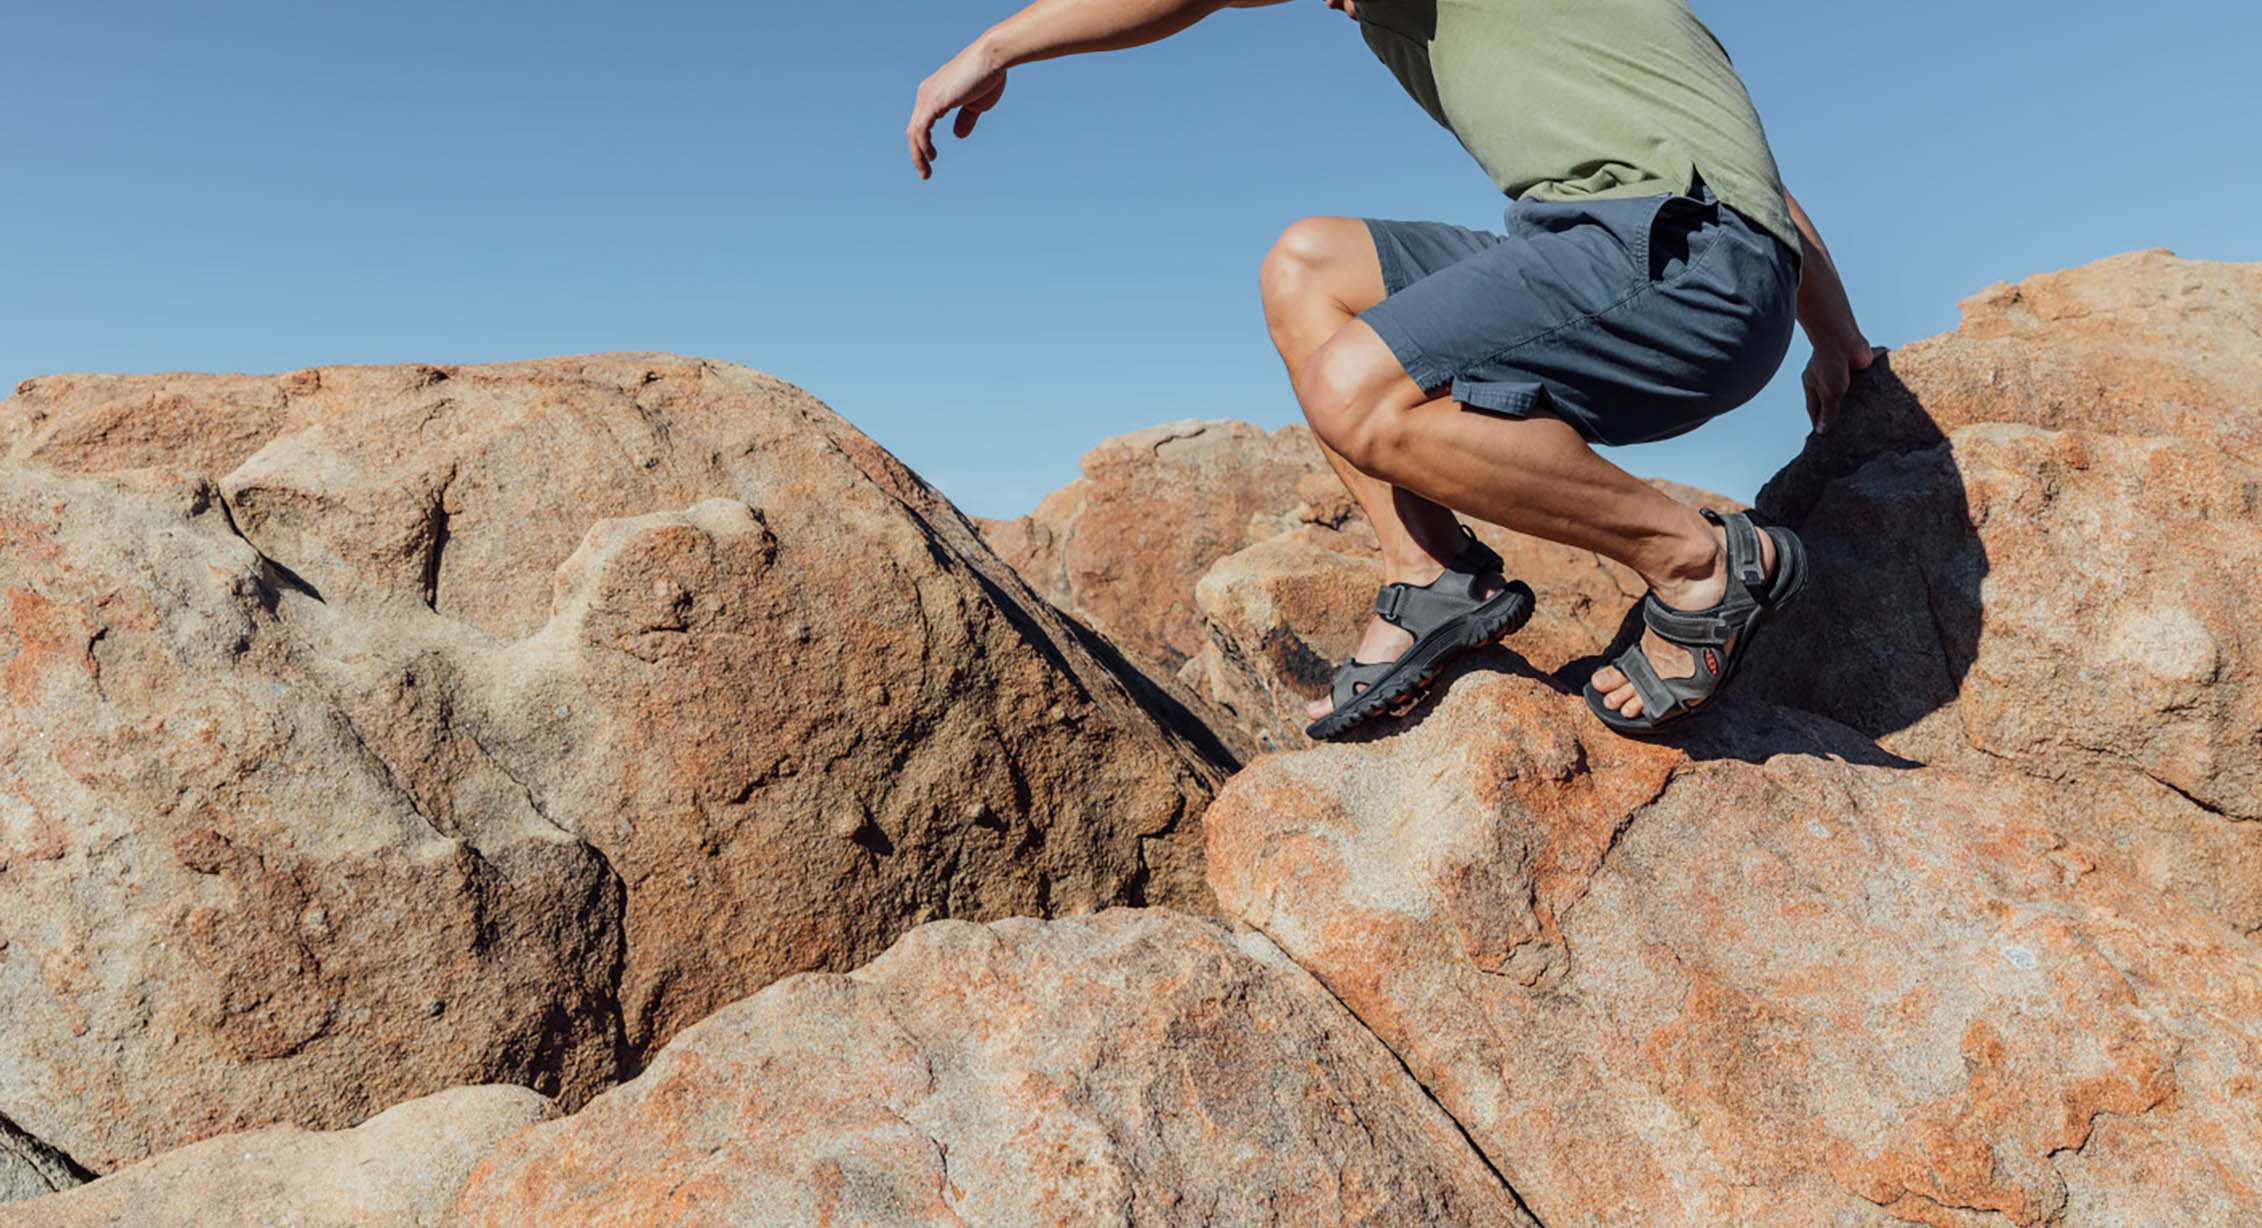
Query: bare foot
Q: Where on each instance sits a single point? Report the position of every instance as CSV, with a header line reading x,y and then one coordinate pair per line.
x,y
1383,641
1670,660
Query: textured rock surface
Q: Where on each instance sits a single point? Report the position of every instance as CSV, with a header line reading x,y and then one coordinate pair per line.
x,y
1770,977
1122,546
2143,338
400,1169
1135,1067
219,905
493,723
2075,504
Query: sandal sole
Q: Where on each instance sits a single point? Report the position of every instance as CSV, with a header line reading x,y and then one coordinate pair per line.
x,y
1400,690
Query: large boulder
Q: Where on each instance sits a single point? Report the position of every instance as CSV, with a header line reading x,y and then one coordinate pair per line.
x,y
1766,975
220,903
1960,933
494,723
2140,343
1134,1067
400,1169
2037,541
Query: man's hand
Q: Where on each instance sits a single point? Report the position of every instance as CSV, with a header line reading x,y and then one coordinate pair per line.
x,y
969,84
1839,347
1829,373
974,79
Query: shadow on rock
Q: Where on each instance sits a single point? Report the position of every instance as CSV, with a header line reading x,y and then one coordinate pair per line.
x,y
1890,621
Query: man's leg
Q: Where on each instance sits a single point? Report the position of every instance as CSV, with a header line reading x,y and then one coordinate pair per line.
x,y
1318,276
1534,475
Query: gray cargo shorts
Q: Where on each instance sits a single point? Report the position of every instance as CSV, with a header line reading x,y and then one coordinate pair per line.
x,y
1632,319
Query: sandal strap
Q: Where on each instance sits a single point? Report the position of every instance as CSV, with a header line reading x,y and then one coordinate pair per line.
x,y
1715,623
1695,628
1660,698
1475,558
1745,562
1422,608
1344,688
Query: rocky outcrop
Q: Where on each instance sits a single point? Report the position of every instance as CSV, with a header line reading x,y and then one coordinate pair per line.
x,y
400,1169
1767,977
1134,1067
494,723
1945,915
2070,481
1996,970
221,904
1121,546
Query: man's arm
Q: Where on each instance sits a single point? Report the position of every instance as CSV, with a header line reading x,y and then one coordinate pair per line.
x,y
974,79
1839,347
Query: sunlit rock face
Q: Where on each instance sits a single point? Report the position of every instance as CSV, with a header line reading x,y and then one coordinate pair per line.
x,y
460,725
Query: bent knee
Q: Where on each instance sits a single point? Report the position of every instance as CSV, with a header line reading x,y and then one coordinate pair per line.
x,y
1314,257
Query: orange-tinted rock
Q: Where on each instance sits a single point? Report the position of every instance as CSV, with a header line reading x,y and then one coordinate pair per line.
x,y
2140,343
400,1169
1126,1068
1122,546
2037,540
1767,976
499,723
220,905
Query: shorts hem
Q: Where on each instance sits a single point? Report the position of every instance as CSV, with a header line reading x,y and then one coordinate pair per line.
x,y
1419,367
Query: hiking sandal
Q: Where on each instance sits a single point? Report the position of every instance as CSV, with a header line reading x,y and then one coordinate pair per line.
x,y
1750,600
1445,617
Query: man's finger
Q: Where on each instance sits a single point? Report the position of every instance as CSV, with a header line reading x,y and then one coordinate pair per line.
x,y
964,125
1834,388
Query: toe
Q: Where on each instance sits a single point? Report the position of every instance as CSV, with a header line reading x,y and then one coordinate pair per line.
x,y
1608,679
1317,708
1625,701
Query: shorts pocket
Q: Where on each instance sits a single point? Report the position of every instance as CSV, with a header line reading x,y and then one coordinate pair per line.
x,y
1680,231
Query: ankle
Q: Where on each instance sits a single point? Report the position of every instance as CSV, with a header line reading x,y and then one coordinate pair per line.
x,y
1416,569
1691,563
1420,554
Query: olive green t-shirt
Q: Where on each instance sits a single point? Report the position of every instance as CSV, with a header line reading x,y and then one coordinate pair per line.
x,y
1578,99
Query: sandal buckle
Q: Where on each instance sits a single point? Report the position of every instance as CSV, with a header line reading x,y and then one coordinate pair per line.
x,y
1387,600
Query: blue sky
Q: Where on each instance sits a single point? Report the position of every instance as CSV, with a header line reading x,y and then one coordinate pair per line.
x,y
264,186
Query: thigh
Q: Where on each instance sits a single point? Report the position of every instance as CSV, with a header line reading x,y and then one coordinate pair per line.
x,y
1407,252
1459,299
1576,316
